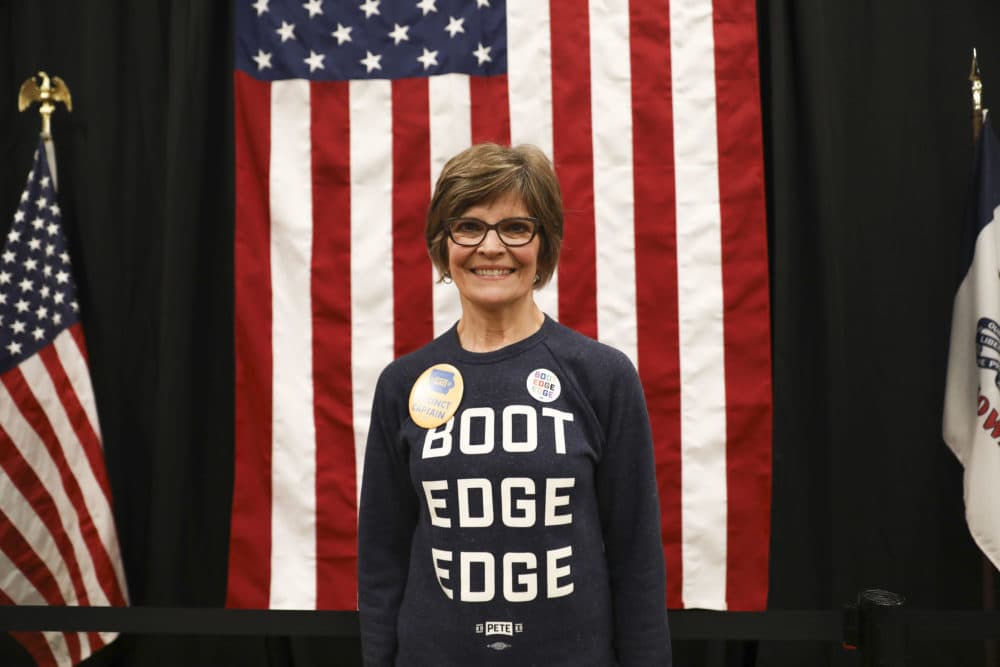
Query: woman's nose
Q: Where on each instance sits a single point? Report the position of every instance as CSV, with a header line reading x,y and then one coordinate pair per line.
x,y
491,243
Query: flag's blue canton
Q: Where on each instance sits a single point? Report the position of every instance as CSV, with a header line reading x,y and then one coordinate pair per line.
x,y
37,295
328,40
987,193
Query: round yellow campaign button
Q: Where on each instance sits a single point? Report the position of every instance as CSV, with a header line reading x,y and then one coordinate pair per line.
x,y
435,395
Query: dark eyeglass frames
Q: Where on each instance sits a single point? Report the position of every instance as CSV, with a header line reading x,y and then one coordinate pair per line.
x,y
513,232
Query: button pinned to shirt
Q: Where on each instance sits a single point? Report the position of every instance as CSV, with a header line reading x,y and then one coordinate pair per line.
x,y
436,395
543,385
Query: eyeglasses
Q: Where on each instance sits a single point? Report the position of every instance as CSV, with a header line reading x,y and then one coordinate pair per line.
x,y
513,232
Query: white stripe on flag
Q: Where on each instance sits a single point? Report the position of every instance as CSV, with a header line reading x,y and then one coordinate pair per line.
x,y
37,377
293,451
450,132
371,248
75,365
33,451
22,515
529,91
11,578
614,232
699,306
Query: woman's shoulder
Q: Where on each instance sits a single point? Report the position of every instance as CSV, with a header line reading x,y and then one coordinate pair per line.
x,y
583,353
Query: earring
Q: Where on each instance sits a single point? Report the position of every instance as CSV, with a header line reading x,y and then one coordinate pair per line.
x,y
446,278
538,278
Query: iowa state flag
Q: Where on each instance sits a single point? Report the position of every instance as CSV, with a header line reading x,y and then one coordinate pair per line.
x,y
345,115
972,393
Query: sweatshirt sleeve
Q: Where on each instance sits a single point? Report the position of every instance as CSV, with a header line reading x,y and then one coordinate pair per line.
x,y
386,523
630,518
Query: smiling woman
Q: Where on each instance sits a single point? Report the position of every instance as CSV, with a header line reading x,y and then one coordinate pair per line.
x,y
509,509
515,189
494,279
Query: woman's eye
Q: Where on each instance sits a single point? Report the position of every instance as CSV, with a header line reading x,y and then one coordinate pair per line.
x,y
467,227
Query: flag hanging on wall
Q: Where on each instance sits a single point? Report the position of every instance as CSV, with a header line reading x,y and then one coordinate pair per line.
x,y
345,115
972,390
58,543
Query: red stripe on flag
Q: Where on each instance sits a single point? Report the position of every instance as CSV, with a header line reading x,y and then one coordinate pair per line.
x,y
34,642
490,109
413,305
77,332
17,549
573,155
250,535
32,411
77,417
656,264
336,486
30,486
745,295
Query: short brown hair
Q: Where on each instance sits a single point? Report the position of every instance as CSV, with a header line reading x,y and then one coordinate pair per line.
x,y
481,174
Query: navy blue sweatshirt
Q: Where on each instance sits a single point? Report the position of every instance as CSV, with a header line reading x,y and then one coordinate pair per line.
x,y
526,529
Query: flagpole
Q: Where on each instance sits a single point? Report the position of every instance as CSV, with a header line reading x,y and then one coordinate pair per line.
x,y
988,571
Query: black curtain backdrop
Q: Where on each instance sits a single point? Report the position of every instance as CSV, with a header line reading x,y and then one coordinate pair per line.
x,y
868,149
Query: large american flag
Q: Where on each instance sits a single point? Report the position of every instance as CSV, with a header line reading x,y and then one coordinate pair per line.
x,y
58,544
345,115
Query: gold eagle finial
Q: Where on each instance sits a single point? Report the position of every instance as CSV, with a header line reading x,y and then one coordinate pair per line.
x,y
51,91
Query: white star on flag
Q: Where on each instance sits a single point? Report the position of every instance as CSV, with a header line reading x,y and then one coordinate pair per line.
x,y
400,33
314,7
342,33
261,6
428,58
372,61
370,8
427,6
287,31
482,54
262,59
315,60
454,26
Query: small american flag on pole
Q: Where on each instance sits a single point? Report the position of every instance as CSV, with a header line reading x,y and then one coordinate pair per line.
x,y
346,113
58,544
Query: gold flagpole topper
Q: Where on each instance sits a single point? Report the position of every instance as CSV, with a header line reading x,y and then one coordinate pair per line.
x,y
51,91
976,84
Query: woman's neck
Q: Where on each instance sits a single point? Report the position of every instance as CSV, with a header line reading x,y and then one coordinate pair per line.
x,y
485,331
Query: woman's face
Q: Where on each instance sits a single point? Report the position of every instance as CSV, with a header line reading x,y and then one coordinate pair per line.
x,y
492,276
